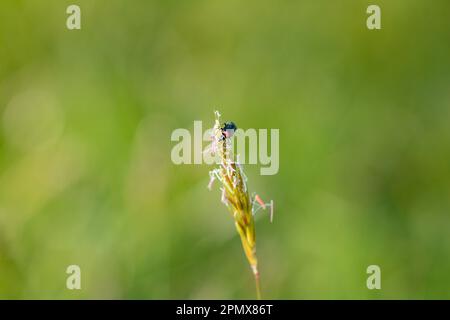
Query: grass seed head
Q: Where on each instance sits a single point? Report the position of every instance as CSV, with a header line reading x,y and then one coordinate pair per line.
x,y
234,190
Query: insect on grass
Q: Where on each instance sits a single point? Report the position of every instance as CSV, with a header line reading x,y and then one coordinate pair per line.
x,y
235,194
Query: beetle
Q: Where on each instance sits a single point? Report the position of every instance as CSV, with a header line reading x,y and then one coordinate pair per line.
x,y
228,129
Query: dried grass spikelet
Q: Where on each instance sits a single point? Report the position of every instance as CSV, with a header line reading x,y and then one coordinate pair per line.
x,y
235,194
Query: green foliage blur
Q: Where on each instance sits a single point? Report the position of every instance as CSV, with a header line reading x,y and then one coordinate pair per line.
x,y
86,176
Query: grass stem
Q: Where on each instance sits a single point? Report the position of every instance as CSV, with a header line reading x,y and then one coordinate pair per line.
x,y
258,286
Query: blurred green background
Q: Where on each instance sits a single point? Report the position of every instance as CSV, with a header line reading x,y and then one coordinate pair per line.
x,y
85,170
